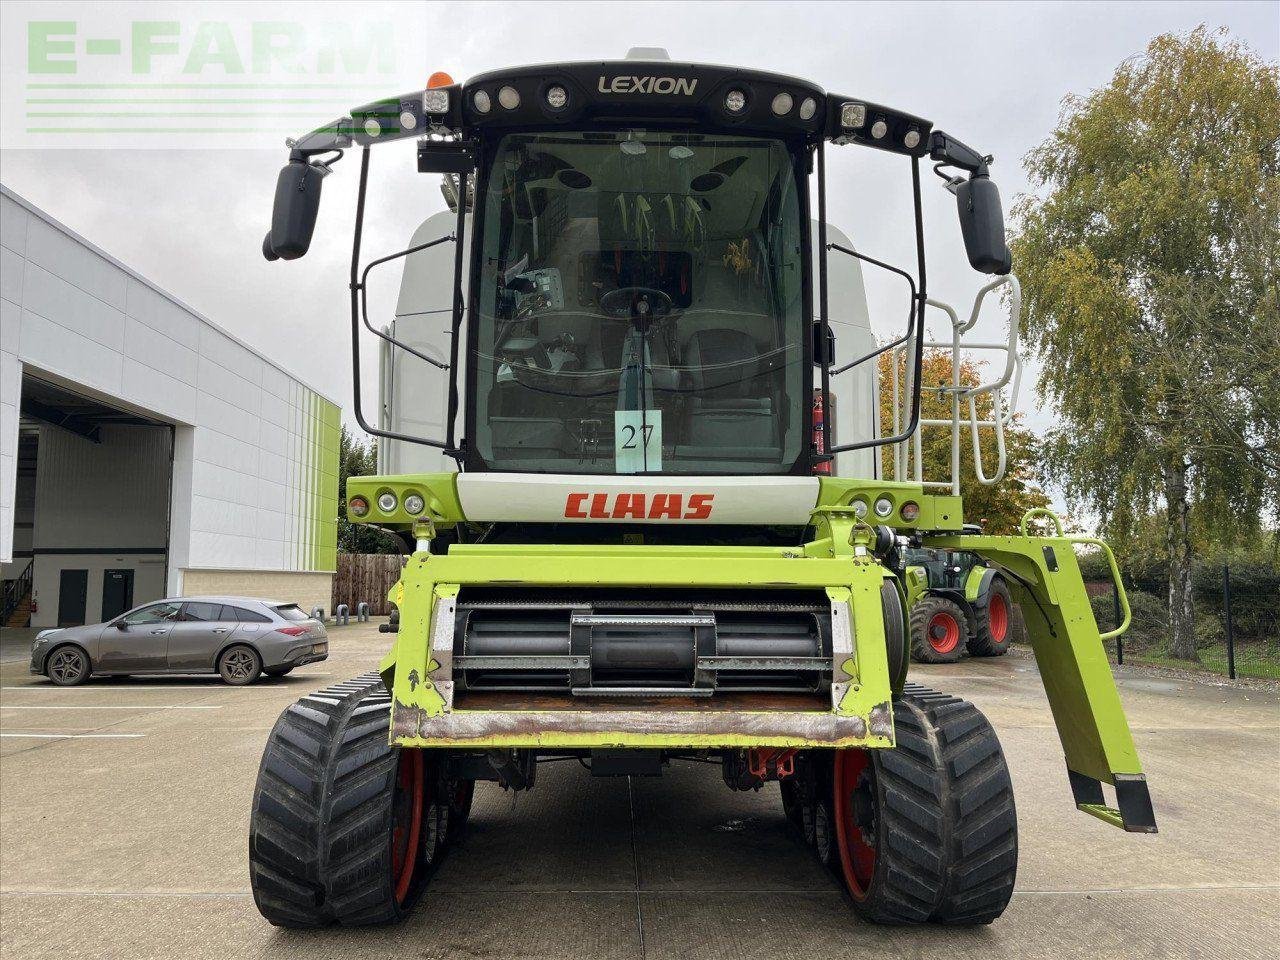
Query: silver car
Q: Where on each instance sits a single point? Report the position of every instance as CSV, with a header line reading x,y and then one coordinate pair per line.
x,y
237,637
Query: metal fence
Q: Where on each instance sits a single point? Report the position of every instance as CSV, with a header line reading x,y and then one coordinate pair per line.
x,y
1237,625
366,578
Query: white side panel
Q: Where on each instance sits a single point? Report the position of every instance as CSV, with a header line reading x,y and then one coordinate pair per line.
x,y
854,391
416,393
549,498
255,459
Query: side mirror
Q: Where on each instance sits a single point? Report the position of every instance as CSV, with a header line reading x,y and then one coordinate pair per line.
x,y
982,224
293,218
824,344
121,625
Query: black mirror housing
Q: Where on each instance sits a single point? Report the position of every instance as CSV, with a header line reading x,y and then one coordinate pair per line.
x,y
824,344
982,225
293,218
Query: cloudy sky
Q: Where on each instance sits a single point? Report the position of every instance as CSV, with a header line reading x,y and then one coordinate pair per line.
x,y
192,220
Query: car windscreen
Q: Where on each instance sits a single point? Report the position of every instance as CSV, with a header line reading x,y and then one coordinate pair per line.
x,y
640,305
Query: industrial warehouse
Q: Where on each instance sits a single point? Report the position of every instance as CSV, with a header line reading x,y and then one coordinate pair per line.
x,y
144,451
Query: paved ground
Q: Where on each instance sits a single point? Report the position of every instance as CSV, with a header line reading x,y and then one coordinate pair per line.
x,y
126,838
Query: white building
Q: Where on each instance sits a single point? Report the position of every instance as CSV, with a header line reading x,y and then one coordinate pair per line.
x,y
144,451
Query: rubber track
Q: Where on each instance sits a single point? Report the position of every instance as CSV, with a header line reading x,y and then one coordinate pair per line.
x,y
318,846
971,796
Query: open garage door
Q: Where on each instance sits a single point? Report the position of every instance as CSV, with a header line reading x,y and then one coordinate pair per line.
x,y
99,505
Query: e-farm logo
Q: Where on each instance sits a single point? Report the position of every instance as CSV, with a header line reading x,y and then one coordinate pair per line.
x,y
106,80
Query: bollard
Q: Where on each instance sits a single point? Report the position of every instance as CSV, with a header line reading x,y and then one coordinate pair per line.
x,y
342,615
362,612
317,613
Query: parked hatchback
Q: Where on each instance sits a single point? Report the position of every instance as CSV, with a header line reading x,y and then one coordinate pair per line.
x,y
237,637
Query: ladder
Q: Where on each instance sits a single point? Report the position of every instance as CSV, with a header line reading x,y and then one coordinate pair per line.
x,y
908,459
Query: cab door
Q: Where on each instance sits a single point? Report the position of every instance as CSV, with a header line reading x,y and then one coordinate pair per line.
x,y
138,642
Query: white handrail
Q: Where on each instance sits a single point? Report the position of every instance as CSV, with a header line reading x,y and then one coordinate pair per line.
x,y
1003,408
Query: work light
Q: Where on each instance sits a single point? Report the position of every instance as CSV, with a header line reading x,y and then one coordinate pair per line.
x,y
853,115
481,102
782,104
808,108
883,507
735,101
387,502
509,97
414,504
435,101
557,97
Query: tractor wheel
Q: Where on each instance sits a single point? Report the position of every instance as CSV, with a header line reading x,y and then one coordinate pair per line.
x,y
938,628
927,831
345,828
994,626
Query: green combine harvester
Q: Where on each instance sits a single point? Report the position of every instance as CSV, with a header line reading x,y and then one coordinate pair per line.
x,y
641,544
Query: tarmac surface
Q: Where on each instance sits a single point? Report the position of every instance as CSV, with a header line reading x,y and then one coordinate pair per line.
x,y
124,812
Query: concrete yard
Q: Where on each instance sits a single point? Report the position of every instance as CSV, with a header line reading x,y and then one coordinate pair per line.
x,y
127,838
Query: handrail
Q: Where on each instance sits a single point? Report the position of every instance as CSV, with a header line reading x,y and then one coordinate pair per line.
x,y
1117,582
1003,406
16,589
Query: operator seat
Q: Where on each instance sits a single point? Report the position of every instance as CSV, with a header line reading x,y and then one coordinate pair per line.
x,y
734,395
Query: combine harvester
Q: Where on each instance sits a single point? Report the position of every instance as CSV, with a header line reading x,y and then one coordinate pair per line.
x,y
629,542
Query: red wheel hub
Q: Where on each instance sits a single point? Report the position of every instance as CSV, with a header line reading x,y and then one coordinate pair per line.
x,y
998,617
855,816
406,832
943,632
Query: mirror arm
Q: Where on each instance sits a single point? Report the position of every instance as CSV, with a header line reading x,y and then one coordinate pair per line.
x,y
333,136
947,150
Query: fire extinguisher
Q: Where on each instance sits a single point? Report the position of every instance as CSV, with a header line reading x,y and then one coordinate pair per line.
x,y
819,421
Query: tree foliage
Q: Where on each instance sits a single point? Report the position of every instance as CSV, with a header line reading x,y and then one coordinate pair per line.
x,y
357,459
998,507
1149,263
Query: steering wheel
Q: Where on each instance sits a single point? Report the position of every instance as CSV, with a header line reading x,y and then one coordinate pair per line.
x,y
627,302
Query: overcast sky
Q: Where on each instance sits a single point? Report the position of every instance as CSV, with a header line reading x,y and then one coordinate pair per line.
x,y
992,74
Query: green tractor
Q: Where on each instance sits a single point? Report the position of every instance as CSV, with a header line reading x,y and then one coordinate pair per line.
x,y
958,602
641,530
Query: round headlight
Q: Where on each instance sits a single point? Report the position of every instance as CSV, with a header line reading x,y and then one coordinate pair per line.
x,y
509,97
859,508
879,129
407,120
387,502
911,139
884,507
481,102
808,108
910,511
557,97
414,504
372,128
782,104
358,507
735,101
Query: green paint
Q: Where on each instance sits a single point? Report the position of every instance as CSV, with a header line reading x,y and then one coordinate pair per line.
x,y
1068,647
